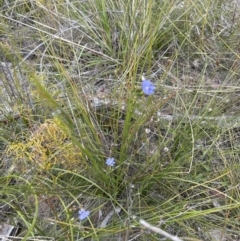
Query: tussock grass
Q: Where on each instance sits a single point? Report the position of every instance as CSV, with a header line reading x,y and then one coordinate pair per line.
x,y
71,98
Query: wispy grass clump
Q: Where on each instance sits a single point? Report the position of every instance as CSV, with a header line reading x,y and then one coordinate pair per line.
x,y
120,111
48,145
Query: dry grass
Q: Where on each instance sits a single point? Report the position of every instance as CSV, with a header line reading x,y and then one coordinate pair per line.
x,y
71,97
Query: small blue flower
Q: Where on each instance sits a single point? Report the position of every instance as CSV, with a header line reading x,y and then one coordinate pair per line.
x,y
148,87
83,214
110,162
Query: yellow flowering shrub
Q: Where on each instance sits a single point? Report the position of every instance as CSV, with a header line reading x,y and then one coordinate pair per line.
x,y
47,146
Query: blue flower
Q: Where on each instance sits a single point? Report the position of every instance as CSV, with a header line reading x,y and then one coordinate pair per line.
x,y
110,162
83,214
148,87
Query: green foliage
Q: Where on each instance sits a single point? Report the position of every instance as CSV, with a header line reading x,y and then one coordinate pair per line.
x,y
74,85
